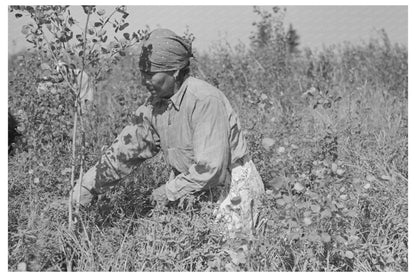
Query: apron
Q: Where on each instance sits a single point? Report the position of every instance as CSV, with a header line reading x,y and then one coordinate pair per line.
x,y
239,211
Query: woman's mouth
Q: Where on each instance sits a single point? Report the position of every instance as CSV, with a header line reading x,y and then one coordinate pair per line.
x,y
151,90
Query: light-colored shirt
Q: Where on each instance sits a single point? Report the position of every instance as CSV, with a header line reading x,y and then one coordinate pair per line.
x,y
197,130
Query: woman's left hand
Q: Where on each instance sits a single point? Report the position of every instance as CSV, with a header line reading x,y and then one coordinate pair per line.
x,y
159,196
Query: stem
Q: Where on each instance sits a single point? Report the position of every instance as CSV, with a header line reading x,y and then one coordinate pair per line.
x,y
108,18
79,110
72,169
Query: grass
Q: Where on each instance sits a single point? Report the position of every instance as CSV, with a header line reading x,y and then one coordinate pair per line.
x,y
336,177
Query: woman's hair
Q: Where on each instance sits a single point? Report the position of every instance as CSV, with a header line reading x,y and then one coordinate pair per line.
x,y
184,73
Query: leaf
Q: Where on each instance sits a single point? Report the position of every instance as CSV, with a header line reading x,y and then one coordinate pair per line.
x,y
97,24
45,66
122,27
229,267
326,213
370,178
386,178
325,237
314,237
22,267
352,213
237,257
104,50
354,238
263,249
88,8
126,36
313,195
287,199
278,182
293,223
315,208
280,202
340,172
334,167
294,235
343,197
71,21
307,213
268,143
340,239
307,221
102,32
122,53
101,12
80,53
356,181
298,187
18,15
66,171
349,254
281,150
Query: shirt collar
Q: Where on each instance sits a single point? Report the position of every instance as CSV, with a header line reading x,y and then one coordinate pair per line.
x,y
177,98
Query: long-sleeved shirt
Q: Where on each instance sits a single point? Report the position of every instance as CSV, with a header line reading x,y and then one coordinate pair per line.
x,y
197,130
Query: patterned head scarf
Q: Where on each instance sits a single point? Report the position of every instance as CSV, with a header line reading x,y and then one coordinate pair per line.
x,y
163,50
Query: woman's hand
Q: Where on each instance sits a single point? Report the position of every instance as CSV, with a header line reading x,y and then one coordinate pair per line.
x,y
159,197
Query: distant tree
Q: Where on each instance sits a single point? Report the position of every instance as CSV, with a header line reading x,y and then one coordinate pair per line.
x,y
269,29
292,40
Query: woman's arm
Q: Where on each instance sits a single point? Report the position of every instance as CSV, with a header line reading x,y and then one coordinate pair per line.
x,y
136,143
211,150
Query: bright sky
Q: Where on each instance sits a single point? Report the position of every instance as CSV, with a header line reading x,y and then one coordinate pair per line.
x,y
316,25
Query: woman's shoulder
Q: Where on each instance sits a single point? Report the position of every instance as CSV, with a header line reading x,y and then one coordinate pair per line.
x,y
201,89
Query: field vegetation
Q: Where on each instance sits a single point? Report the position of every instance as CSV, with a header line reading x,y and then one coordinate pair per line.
x,y
327,129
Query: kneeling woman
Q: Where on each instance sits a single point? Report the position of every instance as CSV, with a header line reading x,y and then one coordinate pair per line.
x,y
200,135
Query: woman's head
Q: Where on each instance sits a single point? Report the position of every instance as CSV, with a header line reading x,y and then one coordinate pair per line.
x,y
164,84
164,61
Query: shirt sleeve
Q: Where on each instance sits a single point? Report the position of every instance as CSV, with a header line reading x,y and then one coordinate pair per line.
x,y
136,143
210,127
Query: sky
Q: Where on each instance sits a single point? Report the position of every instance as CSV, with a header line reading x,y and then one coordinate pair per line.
x,y
316,25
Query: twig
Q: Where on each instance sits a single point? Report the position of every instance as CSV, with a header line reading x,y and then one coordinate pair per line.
x,y
79,110
72,170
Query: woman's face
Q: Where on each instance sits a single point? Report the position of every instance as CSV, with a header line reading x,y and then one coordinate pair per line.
x,y
160,84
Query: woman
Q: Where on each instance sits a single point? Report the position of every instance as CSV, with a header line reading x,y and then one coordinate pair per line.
x,y
194,125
